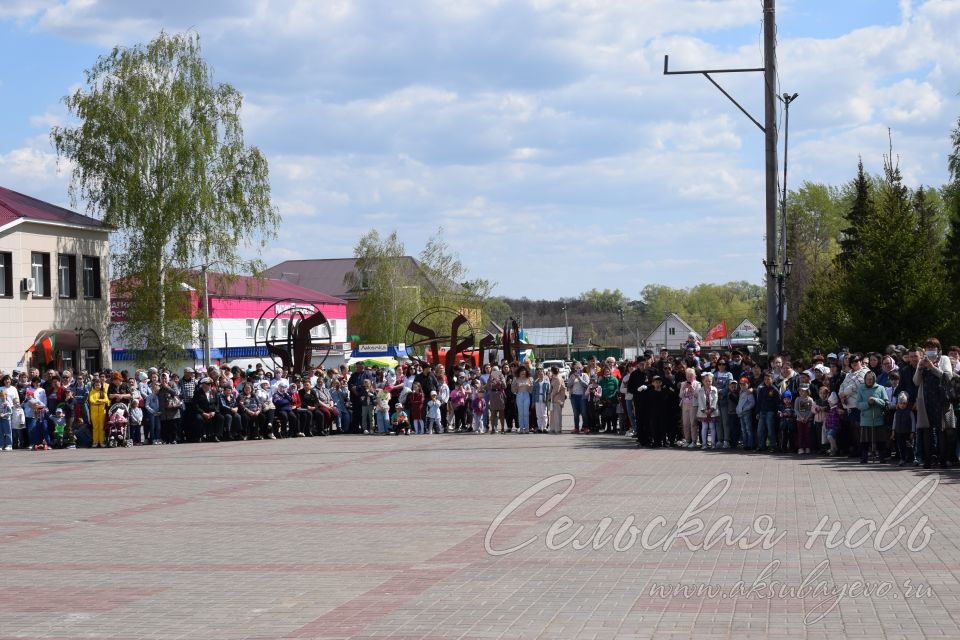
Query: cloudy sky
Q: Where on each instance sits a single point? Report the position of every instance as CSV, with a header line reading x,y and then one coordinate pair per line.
x,y
541,135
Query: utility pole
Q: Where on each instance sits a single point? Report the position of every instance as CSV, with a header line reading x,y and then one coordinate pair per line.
x,y
622,333
769,128
566,329
770,131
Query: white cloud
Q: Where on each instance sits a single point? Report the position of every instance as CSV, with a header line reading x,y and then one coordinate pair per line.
x,y
24,8
543,126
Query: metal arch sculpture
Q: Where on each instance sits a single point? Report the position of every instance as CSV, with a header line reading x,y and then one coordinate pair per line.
x,y
295,351
508,340
460,339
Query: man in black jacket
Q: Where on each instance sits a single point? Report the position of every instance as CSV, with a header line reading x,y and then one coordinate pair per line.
x,y
209,418
659,413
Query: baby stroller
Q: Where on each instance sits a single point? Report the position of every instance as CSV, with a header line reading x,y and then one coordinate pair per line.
x,y
117,421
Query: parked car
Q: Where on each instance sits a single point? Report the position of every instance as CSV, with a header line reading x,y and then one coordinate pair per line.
x,y
559,364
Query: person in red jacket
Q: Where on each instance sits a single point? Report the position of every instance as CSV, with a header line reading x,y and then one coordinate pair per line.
x,y
417,403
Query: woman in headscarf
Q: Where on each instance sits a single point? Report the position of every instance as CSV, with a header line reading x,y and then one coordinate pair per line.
x,y
872,403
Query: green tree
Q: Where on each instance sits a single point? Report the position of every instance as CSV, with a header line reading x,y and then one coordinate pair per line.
x,y
606,300
815,218
951,246
159,154
705,305
389,294
892,290
449,285
857,216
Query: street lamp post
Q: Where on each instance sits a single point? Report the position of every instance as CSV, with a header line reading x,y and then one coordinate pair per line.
x,y
77,364
786,99
780,273
206,317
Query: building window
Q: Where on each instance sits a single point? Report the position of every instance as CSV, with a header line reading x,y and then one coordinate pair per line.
x,y
91,277
673,331
6,275
261,330
272,331
283,328
40,271
249,328
68,360
67,275
321,331
91,359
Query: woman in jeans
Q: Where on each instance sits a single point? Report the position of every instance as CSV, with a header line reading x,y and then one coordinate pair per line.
x,y
577,383
523,389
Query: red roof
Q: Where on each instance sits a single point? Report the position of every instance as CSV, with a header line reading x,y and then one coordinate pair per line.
x,y
15,206
265,289
250,288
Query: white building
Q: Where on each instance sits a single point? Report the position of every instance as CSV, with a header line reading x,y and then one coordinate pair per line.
x,y
54,305
245,312
671,334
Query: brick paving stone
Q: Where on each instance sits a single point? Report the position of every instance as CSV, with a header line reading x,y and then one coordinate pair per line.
x,y
368,537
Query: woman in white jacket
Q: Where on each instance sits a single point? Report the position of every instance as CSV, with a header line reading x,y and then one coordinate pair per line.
x,y
688,407
708,410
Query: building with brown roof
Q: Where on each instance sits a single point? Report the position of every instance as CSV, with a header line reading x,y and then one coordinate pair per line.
x,y
54,305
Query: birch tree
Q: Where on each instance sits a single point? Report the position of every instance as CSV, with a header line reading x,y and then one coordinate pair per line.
x,y
158,153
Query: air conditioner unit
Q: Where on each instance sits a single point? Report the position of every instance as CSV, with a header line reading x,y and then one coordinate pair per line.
x,y
28,285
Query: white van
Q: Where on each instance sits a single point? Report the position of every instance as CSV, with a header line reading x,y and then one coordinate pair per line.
x,y
559,364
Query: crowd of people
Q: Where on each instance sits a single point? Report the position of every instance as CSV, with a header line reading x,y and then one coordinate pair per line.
x,y
899,405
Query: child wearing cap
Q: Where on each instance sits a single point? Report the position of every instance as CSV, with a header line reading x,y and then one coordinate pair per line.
x,y
59,427
400,421
433,413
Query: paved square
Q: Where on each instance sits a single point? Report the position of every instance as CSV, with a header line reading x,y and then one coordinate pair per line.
x,y
368,537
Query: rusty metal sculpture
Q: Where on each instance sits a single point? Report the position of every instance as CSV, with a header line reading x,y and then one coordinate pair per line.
x,y
420,335
295,350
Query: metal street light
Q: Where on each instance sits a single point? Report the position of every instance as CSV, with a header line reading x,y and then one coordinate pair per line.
x,y
206,307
